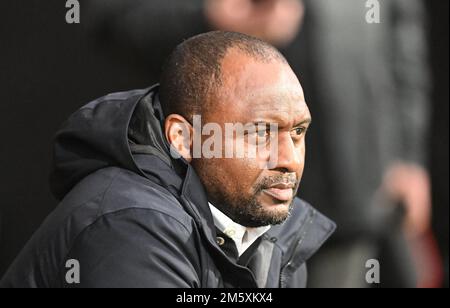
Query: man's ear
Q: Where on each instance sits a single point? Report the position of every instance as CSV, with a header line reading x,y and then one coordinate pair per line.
x,y
179,133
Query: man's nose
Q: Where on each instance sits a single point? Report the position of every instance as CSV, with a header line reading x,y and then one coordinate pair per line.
x,y
290,157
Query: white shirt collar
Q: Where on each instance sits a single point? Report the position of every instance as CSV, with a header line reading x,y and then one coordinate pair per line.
x,y
242,236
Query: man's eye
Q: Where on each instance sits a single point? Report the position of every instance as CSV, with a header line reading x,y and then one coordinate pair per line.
x,y
299,131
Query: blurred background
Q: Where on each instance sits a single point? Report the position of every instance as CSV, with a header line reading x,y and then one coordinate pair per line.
x,y
377,153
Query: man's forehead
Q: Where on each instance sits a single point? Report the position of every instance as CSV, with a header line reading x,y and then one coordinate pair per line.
x,y
280,112
253,89
267,101
283,107
273,95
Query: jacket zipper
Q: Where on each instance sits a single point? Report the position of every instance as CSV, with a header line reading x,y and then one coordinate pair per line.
x,y
298,241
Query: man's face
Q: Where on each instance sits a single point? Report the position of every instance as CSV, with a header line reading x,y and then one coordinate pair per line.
x,y
264,94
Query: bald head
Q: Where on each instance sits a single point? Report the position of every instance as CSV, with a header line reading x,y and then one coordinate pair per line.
x,y
193,72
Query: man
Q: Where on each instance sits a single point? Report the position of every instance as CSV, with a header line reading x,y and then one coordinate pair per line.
x,y
140,208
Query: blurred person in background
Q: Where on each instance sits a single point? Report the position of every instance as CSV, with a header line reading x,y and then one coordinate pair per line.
x,y
369,91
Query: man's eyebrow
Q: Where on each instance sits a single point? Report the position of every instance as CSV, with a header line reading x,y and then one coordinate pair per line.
x,y
305,121
268,122
276,119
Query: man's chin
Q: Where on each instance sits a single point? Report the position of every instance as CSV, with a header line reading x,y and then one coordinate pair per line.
x,y
279,212
275,211
264,210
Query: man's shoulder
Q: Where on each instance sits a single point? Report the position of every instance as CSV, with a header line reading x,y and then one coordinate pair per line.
x,y
119,194
116,189
112,205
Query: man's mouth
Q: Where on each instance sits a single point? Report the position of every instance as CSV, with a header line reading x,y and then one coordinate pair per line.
x,y
281,192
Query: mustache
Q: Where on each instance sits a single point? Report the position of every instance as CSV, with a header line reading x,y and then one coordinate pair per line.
x,y
269,181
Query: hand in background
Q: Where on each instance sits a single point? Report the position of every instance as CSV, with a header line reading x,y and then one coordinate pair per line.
x,y
409,184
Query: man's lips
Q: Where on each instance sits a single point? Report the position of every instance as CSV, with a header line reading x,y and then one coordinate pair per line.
x,y
282,192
